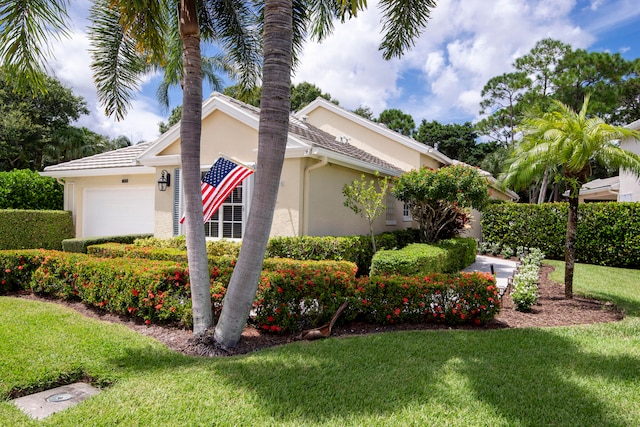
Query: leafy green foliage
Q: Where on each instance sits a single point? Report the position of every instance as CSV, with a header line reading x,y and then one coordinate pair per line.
x,y
80,245
367,199
397,121
447,256
607,233
439,199
26,189
22,229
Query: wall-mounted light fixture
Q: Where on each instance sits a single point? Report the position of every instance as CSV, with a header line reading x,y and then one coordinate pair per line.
x,y
164,181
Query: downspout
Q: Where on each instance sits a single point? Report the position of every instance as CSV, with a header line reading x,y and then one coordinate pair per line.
x,y
306,197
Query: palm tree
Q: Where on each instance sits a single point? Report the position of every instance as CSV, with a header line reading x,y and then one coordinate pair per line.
x,y
285,23
574,142
128,40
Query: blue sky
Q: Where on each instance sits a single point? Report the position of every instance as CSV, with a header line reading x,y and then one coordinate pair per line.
x,y
465,44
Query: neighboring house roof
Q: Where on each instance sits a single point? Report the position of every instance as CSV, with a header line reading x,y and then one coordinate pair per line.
x,y
108,162
376,127
599,188
634,125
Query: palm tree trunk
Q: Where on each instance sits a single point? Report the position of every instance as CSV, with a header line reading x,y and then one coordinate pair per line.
x,y
272,140
570,244
190,131
543,186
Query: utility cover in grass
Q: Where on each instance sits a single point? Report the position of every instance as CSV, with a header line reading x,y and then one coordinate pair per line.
x,y
41,405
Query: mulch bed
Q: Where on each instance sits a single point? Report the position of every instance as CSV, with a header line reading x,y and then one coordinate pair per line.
x,y
552,310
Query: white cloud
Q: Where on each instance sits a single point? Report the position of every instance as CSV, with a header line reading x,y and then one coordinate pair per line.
x,y
71,65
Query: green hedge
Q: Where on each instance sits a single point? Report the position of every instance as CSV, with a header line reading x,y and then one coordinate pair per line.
x,y
29,229
26,189
356,249
448,256
80,245
607,234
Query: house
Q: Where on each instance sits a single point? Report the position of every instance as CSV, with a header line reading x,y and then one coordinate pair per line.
x,y
118,192
622,188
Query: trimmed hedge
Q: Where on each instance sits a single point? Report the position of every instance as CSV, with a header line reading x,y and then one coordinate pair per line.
x,y
607,234
356,249
26,189
447,256
443,298
30,229
293,295
80,245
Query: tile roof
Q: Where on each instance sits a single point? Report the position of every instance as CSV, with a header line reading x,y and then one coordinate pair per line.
x,y
321,139
122,157
305,132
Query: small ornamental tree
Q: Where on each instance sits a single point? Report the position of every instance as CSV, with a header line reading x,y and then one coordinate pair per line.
x,y
367,198
440,200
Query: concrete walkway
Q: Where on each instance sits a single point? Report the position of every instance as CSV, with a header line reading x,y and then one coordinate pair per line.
x,y
504,269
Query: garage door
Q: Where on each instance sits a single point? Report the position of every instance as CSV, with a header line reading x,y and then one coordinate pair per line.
x,y
117,211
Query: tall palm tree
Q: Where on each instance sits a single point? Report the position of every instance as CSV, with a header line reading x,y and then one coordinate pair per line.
x,y
285,24
573,142
130,39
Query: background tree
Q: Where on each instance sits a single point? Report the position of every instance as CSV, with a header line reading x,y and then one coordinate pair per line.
x,y
398,121
251,96
456,141
575,142
173,119
367,199
33,124
305,93
440,199
364,111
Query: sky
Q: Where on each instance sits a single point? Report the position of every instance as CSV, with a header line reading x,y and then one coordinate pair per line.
x,y
465,43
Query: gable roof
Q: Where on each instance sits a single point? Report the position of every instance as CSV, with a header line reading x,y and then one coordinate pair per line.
x,y
375,127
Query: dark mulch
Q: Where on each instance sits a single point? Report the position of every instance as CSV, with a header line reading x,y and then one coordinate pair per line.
x,y
552,310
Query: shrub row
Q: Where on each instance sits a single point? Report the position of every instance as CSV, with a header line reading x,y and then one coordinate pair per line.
x,y
292,295
447,256
356,249
30,229
607,234
80,245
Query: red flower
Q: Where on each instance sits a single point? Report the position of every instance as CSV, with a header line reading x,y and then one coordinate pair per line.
x,y
270,319
397,311
147,322
158,307
134,292
280,290
405,300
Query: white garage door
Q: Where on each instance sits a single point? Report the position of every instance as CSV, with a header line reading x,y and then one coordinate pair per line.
x,y
117,211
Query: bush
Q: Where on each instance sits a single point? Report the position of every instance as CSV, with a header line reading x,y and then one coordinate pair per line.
x,y
447,256
607,234
17,267
452,299
525,282
27,229
80,245
26,189
214,247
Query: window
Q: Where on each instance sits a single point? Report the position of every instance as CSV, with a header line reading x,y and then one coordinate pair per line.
x,y
228,221
406,213
390,209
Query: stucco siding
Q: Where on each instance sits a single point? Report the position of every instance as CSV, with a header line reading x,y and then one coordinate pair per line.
x,y
286,218
359,136
629,183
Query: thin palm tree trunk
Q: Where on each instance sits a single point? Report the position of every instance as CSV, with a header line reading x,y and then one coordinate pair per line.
x,y
190,131
570,245
272,140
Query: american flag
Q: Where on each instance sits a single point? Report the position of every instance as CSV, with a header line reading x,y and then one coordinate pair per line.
x,y
218,183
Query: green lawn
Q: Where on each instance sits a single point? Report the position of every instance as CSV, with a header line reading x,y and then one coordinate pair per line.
x,y
572,376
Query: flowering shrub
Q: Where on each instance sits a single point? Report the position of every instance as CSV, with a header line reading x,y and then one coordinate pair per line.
x,y
525,282
448,298
17,266
303,295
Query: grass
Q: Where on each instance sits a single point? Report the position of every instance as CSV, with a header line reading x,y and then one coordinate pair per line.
x,y
571,376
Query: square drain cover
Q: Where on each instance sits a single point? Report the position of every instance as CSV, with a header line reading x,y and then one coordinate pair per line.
x,y
45,403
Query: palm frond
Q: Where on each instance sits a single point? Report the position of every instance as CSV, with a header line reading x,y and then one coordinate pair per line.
x,y
403,22
27,28
116,63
